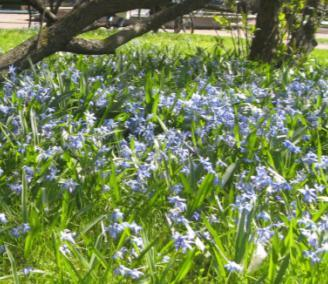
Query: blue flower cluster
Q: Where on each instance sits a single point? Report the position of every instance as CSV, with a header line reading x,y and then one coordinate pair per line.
x,y
204,160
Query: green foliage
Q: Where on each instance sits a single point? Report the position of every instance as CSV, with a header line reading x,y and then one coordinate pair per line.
x,y
68,90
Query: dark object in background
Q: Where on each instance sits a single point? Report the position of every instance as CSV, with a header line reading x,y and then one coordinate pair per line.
x,y
117,22
11,4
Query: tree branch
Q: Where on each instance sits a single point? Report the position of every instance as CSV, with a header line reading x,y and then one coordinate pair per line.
x,y
218,8
110,44
40,7
55,37
96,25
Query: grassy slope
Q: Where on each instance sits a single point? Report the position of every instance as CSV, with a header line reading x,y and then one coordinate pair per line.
x,y
181,42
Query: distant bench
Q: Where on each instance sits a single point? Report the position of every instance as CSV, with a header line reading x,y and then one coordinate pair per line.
x,y
17,7
8,11
11,5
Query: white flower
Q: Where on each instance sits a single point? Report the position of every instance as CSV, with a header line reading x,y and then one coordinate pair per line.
x,y
67,235
258,257
90,118
3,218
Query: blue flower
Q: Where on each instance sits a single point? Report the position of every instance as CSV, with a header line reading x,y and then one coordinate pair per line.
x,y
182,242
178,203
117,215
137,241
64,250
27,270
176,188
70,185
291,147
262,179
52,174
12,70
2,249
309,194
115,230
232,266
264,235
120,253
4,109
196,216
127,272
76,142
263,216
20,230
207,165
314,258
17,188
310,158
323,164
135,228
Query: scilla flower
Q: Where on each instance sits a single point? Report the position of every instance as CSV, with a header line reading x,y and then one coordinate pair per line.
x,y
3,218
232,266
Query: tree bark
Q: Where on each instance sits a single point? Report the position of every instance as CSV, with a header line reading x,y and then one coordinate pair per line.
x,y
39,5
303,38
110,44
266,37
60,35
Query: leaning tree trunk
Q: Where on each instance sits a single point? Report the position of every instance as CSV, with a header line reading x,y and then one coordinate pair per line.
x,y
54,38
266,37
302,39
60,35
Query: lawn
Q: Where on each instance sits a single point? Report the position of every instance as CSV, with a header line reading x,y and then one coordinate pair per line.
x,y
180,43
171,161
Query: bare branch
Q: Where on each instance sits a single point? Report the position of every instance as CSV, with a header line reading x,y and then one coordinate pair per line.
x,y
96,25
55,37
218,8
40,7
110,44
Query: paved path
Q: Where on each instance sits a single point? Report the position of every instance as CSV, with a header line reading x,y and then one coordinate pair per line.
x,y
323,34
13,21
20,21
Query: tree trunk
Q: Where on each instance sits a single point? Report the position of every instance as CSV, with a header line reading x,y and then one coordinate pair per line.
x,y
55,37
60,35
266,37
303,38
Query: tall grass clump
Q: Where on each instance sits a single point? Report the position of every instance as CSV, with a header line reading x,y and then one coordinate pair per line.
x,y
151,167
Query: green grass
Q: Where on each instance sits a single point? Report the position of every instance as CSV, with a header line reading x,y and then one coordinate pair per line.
x,y
10,38
323,40
180,43
320,55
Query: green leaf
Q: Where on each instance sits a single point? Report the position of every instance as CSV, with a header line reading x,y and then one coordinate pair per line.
x,y
282,269
13,266
185,267
228,173
92,224
24,198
